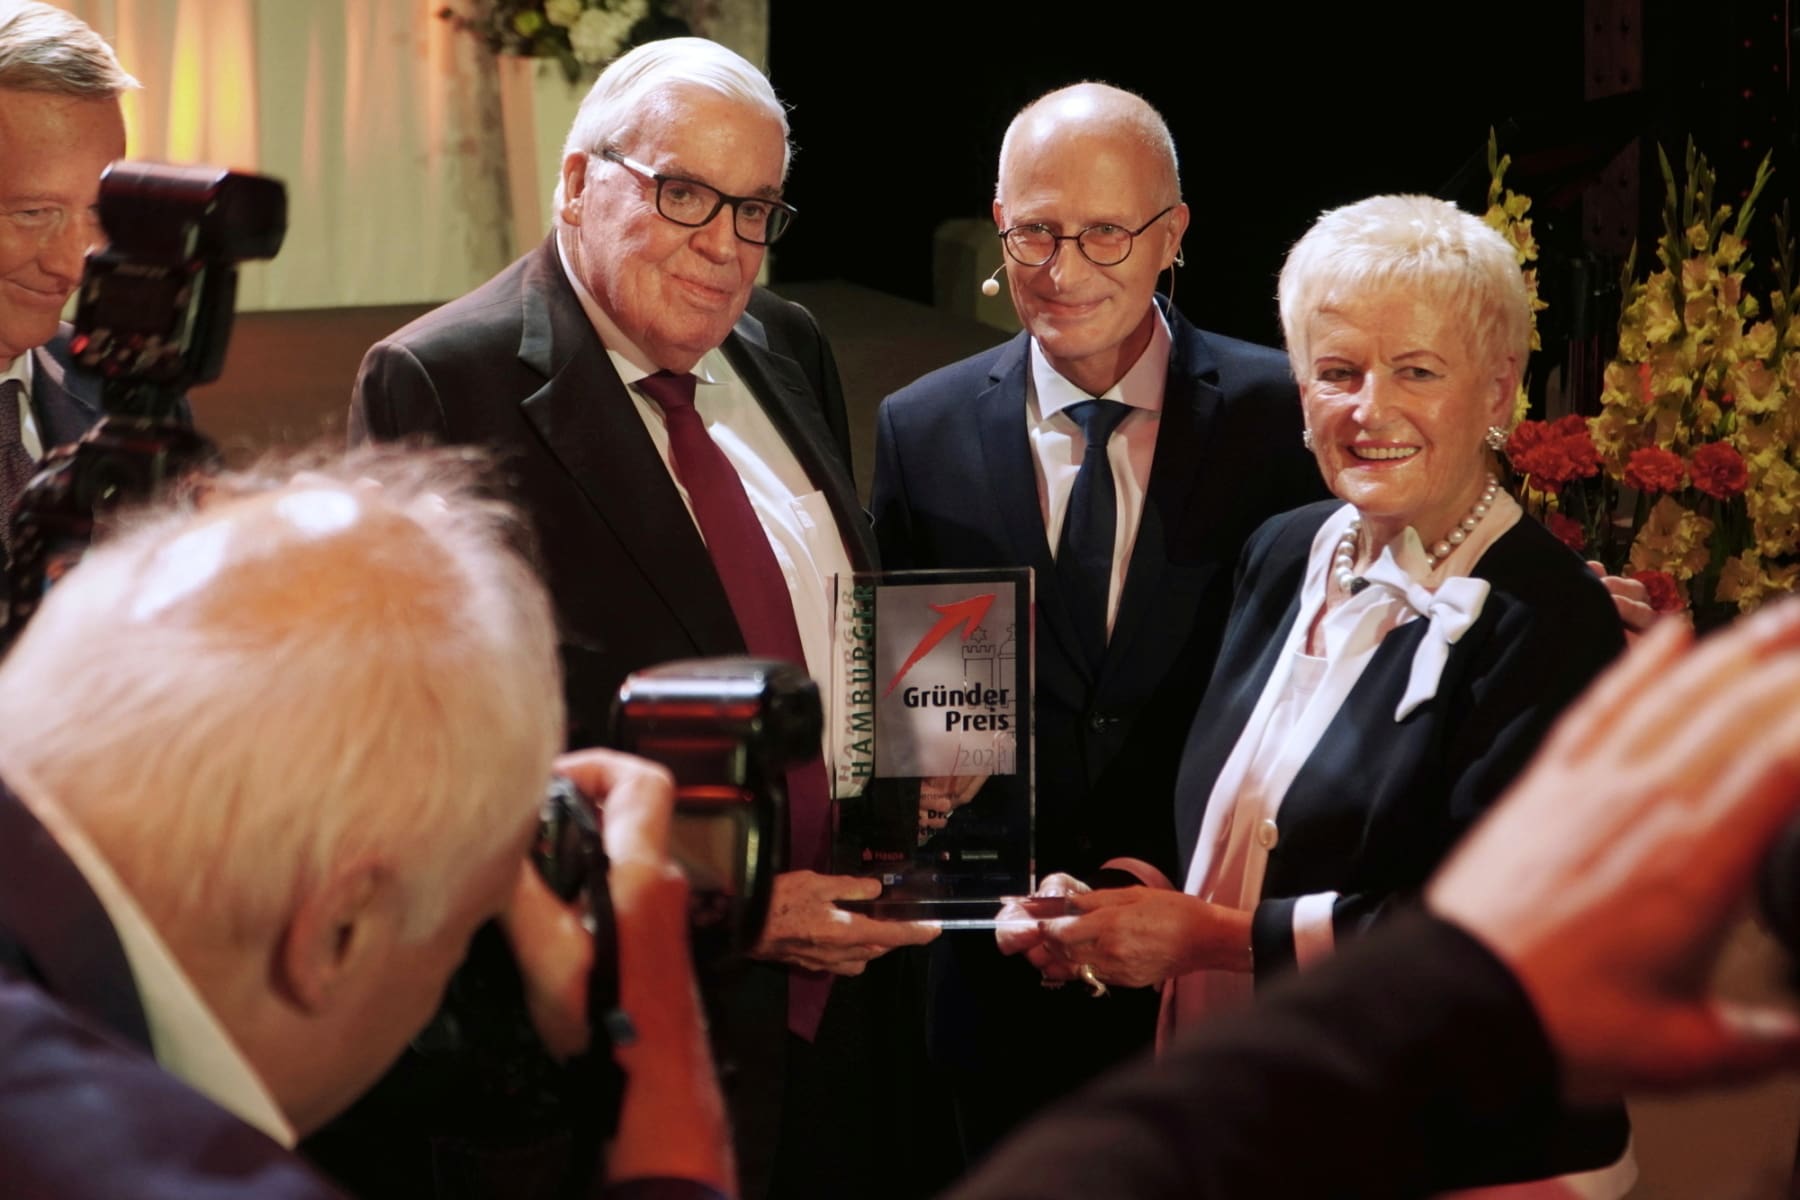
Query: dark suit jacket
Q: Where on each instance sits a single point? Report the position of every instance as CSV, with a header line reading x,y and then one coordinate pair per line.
x,y
516,366
1379,804
84,1111
65,402
1325,1088
956,486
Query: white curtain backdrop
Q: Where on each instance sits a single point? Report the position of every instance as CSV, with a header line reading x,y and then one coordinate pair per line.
x,y
383,122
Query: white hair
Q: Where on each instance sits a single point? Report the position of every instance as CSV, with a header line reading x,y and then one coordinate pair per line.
x,y
642,78
1124,113
229,721
1415,245
43,49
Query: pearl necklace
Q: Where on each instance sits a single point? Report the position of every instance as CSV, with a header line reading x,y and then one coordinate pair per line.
x,y
1343,560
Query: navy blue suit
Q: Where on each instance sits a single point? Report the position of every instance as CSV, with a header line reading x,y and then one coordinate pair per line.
x,y
65,402
956,486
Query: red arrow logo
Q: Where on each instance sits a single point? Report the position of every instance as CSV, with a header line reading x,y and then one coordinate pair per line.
x,y
967,613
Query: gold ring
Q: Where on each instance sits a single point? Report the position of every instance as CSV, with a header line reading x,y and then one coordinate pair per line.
x,y
1087,976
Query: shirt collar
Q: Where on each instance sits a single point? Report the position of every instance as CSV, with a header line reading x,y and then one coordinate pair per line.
x,y
189,1040
627,357
1140,387
20,369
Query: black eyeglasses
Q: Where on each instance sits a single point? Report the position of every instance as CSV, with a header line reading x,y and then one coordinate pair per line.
x,y
1103,245
756,219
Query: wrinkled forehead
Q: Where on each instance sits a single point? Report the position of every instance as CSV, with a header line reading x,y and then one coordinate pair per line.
x,y
692,129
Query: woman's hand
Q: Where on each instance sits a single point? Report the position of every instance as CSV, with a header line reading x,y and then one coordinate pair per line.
x,y
1139,936
1017,931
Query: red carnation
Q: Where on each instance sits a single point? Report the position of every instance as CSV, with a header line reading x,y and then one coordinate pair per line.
x,y
1567,530
1554,453
1654,469
1665,594
1718,470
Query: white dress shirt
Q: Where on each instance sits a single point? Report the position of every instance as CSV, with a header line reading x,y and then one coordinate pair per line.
x,y
187,1037
1057,445
796,516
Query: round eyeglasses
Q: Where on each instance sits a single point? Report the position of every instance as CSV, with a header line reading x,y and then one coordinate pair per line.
x,y
1104,245
756,219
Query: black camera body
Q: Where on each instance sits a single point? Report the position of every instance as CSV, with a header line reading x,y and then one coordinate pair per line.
x,y
728,729
476,1099
156,305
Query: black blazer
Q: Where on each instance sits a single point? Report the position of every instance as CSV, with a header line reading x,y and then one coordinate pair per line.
x,y
516,366
1324,1088
75,1054
1379,804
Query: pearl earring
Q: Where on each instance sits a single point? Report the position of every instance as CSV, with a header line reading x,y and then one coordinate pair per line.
x,y
1496,438
1306,438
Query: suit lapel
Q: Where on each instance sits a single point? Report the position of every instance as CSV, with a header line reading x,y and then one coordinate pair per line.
x,y
52,925
65,405
588,423
1011,479
1153,620
778,384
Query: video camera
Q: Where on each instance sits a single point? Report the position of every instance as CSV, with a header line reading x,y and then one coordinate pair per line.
x,y
152,320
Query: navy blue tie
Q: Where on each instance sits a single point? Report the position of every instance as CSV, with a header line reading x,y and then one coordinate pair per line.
x,y
1084,557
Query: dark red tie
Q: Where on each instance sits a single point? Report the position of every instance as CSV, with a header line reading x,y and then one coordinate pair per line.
x,y
757,588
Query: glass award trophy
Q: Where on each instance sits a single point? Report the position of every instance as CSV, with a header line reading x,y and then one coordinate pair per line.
x,y
931,741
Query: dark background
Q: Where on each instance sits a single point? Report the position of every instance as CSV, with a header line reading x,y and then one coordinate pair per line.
x,y
1279,111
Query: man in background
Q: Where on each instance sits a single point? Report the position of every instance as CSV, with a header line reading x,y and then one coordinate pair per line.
x,y
677,437
60,126
981,464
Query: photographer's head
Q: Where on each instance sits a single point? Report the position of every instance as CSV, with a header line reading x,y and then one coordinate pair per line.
x,y
308,726
60,126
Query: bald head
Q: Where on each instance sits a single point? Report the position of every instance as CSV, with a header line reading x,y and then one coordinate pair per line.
x,y
351,661
1092,167
1093,115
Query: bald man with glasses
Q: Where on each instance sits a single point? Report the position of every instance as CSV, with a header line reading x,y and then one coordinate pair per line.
x,y
678,437
1125,455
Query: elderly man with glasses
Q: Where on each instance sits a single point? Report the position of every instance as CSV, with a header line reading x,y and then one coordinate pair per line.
x,y
678,437
1195,439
